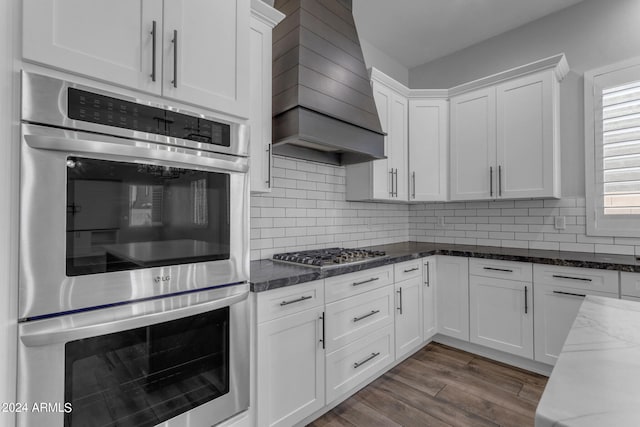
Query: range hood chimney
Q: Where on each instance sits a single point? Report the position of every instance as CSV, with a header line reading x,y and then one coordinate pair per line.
x,y
323,106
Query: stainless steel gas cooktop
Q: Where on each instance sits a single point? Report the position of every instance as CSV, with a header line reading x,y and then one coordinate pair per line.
x,y
332,257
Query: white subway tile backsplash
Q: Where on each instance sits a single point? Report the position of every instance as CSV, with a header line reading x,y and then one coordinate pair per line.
x,y
307,209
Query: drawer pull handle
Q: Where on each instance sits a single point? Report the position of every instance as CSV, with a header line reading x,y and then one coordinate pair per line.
x,y
371,357
526,300
399,291
584,279
373,279
364,316
323,340
153,52
412,269
498,269
570,294
293,301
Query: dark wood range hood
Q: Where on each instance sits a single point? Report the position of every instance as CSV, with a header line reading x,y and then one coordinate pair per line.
x,y
323,106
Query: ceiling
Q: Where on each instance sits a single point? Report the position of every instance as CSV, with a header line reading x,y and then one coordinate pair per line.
x,y
414,32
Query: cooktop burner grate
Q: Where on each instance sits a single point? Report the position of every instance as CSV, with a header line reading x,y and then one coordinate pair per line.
x,y
329,257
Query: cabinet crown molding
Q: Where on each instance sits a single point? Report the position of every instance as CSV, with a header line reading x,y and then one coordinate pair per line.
x,y
558,63
265,13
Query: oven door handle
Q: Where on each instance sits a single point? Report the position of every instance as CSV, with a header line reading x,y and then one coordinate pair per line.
x,y
61,334
113,146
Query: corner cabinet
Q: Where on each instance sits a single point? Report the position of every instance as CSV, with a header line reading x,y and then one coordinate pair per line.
x,y
429,313
263,19
408,322
504,134
452,296
428,149
384,179
194,51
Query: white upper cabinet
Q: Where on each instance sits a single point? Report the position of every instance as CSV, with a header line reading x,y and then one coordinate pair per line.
x,y
198,52
473,145
208,65
504,134
527,146
384,179
263,19
108,40
428,149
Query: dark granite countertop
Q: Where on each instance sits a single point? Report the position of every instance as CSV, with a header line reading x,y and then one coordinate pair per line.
x,y
268,274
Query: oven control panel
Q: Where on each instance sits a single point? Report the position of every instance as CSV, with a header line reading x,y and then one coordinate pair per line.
x,y
105,110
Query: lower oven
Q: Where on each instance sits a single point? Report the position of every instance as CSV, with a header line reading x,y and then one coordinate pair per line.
x,y
180,361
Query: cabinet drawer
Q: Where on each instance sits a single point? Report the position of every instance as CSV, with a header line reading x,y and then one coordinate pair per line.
x,y
630,284
353,364
512,270
407,270
353,318
577,278
343,286
289,300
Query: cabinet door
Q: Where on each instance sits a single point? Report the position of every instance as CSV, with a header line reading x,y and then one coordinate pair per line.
x,y
408,315
428,149
260,108
291,373
473,145
501,314
526,138
555,310
208,64
429,328
107,40
398,144
452,296
381,178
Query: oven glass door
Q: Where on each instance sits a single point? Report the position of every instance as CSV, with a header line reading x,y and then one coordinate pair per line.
x,y
126,216
144,376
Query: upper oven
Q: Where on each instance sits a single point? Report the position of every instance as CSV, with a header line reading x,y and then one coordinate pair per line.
x,y
124,200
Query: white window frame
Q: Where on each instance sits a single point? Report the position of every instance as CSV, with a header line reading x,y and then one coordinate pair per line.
x,y
599,224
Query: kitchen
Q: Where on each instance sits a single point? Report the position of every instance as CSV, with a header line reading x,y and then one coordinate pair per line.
x,y
307,206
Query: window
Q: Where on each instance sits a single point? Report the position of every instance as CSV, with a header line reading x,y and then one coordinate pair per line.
x,y
612,137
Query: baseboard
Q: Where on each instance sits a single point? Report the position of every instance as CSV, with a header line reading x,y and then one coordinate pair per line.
x,y
497,355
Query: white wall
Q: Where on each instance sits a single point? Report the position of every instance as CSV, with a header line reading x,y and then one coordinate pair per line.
x,y
374,57
306,209
9,143
592,33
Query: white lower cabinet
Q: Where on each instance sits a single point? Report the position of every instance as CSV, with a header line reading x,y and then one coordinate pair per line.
x,y
452,296
559,292
354,363
429,314
408,316
290,358
501,314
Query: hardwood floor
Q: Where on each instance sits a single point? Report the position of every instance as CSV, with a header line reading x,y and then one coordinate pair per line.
x,y
443,386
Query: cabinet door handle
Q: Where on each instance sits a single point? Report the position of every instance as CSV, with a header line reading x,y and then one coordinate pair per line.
x,y
426,274
500,180
391,186
364,316
526,300
175,58
584,279
293,301
371,357
268,181
399,291
413,178
498,269
569,293
373,279
412,269
491,181
153,51
322,340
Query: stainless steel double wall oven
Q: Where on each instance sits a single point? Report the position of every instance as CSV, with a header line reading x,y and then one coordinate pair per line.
x,y
133,261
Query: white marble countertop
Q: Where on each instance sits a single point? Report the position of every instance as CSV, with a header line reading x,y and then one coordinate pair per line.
x,y
596,380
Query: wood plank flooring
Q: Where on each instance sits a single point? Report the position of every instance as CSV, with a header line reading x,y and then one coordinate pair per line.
x,y
443,386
